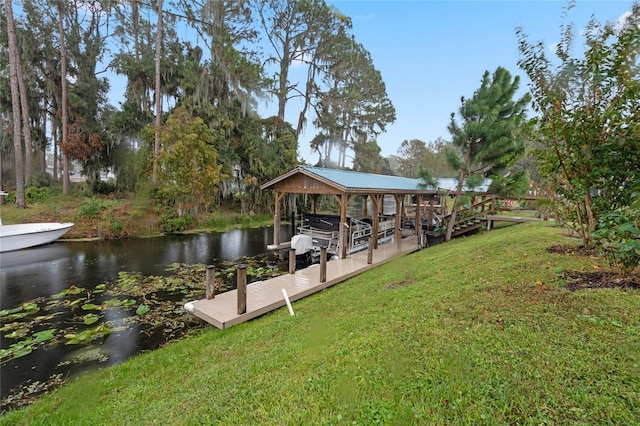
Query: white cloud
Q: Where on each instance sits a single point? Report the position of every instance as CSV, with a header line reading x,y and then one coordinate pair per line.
x,y
622,21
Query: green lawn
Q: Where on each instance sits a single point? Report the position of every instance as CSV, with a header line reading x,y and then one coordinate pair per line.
x,y
477,331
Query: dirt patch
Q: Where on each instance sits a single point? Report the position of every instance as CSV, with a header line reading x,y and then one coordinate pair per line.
x,y
398,284
576,280
573,251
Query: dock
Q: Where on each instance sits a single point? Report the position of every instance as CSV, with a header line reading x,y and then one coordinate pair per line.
x,y
266,296
503,218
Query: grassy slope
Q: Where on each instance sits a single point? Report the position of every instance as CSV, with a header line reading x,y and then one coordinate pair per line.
x,y
476,331
112,218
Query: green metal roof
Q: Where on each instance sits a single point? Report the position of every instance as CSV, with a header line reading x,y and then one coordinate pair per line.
x,y
358,182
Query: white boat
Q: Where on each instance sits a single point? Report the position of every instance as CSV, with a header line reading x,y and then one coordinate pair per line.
x,y
24,235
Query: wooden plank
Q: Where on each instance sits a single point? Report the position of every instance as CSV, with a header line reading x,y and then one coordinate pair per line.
x,y
520,219
266,296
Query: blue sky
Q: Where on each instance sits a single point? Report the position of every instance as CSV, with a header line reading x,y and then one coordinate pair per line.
x,y
430,53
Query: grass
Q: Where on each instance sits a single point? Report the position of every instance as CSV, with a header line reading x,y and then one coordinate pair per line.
x,y
477,331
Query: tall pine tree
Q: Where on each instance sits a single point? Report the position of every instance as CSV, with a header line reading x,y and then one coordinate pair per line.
x,y
484,142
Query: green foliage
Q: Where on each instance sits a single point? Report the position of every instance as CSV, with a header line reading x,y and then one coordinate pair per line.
x,y
427,180
38,194
587,125
188,165
117,227
618,236
172,223
42,179
91,207
487,140
512,185
103,187
367,158
490,338
33,195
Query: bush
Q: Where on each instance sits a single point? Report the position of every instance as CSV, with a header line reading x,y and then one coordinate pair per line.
x,y
36,195
172,224
104,187
42,179
90,207
117,228
618,236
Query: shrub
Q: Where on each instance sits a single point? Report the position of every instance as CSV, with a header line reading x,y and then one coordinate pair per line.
x,y
91,207
36,195
42,179
618,236
172,224
117,228
104,187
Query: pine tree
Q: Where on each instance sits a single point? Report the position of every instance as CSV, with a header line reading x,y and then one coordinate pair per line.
x,y
485,141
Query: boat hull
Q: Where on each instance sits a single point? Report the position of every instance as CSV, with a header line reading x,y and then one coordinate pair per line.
x,y
21,236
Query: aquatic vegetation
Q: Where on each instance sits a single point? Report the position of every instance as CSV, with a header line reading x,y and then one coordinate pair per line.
x,y
84,318
88,335
26,346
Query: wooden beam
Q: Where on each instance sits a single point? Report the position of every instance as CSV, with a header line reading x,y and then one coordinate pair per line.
x,y
398,225
276,218
342,233
375,219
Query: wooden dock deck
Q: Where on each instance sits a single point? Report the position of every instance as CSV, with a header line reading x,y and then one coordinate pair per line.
x,y
266,296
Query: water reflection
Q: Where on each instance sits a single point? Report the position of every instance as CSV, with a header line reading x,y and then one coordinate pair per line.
x,y
44,271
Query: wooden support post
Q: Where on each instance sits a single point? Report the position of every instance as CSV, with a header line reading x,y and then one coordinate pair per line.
x,y
376,200
210,286
398,224
323,264
370,251
418,217
292,261
344,226
241,279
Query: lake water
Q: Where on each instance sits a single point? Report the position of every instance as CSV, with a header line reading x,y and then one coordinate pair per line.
x,y
39,273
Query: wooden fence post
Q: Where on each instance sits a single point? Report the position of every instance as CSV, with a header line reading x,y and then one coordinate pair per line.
x,y
292,261
242,288
323,264
210,286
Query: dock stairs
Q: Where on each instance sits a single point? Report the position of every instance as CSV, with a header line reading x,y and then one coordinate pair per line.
x,y
483,214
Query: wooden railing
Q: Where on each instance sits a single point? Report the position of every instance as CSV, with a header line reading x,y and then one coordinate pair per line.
x,y
472,217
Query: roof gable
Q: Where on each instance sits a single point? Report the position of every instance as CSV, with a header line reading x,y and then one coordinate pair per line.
x,y
319,180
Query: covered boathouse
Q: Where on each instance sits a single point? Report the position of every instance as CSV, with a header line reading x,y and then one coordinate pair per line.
x,y
344,184
248,302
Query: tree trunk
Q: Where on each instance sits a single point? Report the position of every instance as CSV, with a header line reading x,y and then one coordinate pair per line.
x,y
63,83
454,210
14,64
26,128
461,178
156,144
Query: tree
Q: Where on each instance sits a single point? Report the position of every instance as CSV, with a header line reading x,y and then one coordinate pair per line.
x,y
367,157
188,169
63,99
485,141
411,153
297,30
354,104
14,70
156,144
588,119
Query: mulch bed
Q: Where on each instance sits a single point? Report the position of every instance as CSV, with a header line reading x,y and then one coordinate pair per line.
x,y
572,250
576,280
